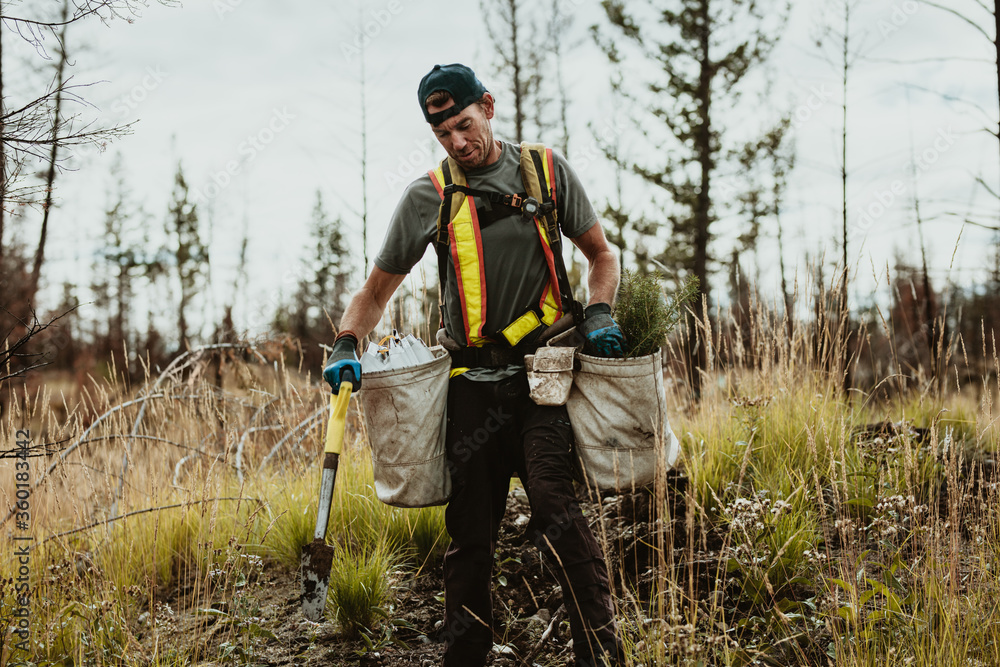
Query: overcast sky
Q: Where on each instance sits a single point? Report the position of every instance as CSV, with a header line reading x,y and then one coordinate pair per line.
x,y
259,101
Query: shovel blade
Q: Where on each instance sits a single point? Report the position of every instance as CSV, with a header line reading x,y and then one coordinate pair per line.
x,y
317,558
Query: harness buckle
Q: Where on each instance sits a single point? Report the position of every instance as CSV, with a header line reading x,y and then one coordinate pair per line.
x,y
516,201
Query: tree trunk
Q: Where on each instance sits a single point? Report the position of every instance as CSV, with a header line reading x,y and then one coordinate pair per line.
x,y
364,161
554,36
519,87
703,201
50,175
786,297
3,157
843,326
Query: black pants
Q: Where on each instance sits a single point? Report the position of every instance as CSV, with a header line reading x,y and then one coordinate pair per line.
x,y
495,429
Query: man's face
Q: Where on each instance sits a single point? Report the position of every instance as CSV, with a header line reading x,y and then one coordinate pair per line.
x,y
467,137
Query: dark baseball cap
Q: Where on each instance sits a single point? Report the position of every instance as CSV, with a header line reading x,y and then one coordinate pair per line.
x,y
457,80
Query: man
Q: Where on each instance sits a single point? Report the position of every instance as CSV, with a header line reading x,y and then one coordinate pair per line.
x,y
498,304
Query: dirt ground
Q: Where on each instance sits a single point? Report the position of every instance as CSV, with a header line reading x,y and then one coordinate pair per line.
x,y
526,597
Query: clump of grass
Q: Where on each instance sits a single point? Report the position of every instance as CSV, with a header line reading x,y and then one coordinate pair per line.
x,y
644,313
429,537
290,520
360,586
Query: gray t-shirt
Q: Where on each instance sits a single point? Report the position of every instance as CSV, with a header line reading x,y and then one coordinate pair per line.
x,y
515,268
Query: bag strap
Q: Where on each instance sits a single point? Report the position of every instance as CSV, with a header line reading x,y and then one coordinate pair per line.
x,y
536,162
537,170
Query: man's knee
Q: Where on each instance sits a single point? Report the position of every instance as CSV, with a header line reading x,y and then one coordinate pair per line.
x,y
554,515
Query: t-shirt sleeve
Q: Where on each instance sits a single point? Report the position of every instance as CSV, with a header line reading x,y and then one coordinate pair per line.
x,y
576,213
413,225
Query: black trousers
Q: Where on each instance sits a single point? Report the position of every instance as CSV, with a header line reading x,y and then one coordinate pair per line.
x,y
494,430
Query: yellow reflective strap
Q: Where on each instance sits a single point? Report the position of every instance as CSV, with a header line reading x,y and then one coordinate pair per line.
x,y
467,256
546,155
455,372
551,309
438,180
521,327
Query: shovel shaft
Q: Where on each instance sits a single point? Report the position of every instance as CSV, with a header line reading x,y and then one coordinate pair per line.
x,y
330,461
331,455
318,555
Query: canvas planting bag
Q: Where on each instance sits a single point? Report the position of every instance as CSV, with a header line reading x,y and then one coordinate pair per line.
x,y
405,414
618,409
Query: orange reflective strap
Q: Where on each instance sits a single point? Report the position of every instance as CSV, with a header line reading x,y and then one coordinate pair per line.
x,y
437,178
550,303
550,173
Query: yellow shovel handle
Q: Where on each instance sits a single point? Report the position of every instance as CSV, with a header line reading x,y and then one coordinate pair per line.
x,y
338,419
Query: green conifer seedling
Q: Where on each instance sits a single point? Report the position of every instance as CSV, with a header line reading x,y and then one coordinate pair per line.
x,y
644,313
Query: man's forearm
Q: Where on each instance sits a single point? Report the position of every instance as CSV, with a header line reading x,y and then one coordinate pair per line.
x,y
362,314
602,277
368,303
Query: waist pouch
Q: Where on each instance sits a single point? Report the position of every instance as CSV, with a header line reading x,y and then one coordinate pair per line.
x,y
406,417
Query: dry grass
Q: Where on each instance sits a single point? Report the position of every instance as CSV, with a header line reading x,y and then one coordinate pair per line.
x,y
815,527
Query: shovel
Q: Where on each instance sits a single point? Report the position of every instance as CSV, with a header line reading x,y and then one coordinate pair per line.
x,y
317,556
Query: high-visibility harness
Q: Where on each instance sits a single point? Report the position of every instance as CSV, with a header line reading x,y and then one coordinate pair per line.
x,y
459,236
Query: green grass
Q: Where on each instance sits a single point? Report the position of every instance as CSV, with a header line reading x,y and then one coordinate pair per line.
x,y
360,586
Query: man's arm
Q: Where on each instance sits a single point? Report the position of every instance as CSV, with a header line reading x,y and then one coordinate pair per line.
x,y
603,270
367,305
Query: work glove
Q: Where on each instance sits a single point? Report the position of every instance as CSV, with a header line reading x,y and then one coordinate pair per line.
x,y
344,364
603,337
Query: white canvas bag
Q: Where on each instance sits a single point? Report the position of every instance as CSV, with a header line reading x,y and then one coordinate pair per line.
x,y
406,417
618,409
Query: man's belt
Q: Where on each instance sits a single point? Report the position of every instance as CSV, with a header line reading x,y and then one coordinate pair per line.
x,y
489,356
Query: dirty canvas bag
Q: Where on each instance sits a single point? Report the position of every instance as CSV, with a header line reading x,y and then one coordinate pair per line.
x,y
406,417
618,409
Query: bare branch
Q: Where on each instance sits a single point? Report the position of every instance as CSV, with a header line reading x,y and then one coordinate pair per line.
x,y
960,15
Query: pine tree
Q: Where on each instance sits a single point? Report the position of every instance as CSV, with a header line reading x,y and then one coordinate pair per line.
x,y
512,28
702,51
322,288
190,254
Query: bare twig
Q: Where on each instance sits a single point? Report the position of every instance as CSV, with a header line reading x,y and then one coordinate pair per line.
x,y
308,421
143,511
553,624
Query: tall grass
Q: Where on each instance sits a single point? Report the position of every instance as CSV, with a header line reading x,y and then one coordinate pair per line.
x,y
815,527
157,505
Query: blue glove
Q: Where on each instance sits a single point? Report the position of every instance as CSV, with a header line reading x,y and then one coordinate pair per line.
x,y
603,337
344,364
